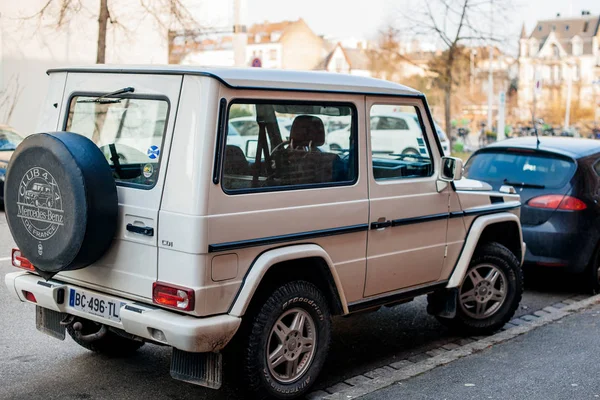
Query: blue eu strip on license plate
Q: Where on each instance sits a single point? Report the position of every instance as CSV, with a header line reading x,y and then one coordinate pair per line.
x,y
95,304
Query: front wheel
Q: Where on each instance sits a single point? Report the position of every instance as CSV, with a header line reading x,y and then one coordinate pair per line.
x,y
288,342
490,293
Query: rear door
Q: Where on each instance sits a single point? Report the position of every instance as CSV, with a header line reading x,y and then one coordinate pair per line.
x,y
134,127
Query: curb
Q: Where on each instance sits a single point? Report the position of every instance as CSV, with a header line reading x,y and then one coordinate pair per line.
x,y
380,378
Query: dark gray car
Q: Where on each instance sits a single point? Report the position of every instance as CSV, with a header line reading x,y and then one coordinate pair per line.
x,y
559,184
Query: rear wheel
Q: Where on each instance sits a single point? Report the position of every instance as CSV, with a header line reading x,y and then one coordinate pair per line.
x,y
592,274
287,342
490,293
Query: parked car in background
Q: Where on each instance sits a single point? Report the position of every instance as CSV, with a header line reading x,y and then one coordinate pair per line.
x,y
393,133
559,184
9,140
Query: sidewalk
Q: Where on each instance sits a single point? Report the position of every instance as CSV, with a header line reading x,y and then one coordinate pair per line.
x,y
560,360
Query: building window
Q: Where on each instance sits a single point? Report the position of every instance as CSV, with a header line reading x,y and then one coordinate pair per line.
x,y
567,28
555,51
577,46
539,28
273,54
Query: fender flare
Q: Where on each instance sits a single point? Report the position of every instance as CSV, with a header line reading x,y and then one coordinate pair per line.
x,y
265,261
477,228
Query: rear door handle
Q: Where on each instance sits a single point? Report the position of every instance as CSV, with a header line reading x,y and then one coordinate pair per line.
x,y
142,230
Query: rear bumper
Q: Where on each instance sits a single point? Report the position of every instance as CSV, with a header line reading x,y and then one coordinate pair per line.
x,y
556,247
184,332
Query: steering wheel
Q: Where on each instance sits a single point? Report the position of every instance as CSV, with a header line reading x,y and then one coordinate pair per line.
x,y
280,147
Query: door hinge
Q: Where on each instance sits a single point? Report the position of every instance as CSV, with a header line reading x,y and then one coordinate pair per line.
x,y
446,251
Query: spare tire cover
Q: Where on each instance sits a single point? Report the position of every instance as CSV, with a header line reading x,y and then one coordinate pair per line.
x,y
60,201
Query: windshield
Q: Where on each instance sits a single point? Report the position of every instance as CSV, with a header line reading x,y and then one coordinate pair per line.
x,y
9,140
525,169
128,131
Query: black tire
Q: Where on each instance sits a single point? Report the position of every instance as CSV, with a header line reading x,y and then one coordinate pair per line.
x,y
260,381
503,259
61,201
111,345
591,275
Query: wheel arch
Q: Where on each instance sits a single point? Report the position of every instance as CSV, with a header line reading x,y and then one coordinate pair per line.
x,y
281,264
504,228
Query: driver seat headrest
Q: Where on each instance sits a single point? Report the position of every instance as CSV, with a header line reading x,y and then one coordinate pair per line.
x,y
307,130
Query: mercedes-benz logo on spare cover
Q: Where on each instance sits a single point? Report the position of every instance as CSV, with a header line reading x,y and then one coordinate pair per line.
x,y
40,203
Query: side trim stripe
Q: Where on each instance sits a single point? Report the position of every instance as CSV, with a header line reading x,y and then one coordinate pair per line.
x,y
292,237
212,248
454,214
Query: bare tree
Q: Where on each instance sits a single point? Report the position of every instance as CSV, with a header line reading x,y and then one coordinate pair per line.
x,y
456,24
168,14
9,97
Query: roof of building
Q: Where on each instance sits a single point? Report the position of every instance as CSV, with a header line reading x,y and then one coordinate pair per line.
x,y
565,29
570,147
523,32
264,32
357,59
261,78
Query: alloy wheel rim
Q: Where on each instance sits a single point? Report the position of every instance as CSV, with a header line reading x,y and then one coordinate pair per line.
x,y
291,346
483,291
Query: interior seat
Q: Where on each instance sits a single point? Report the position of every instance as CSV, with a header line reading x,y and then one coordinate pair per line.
x,y
303,162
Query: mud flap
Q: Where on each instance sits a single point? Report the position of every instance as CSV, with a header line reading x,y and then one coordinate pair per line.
x,y
48,322
203,369
443,303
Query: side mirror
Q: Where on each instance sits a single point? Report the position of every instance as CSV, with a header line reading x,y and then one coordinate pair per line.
x,y
451,169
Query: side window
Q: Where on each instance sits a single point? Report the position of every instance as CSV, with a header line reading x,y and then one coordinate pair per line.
x,y
278,146
398,144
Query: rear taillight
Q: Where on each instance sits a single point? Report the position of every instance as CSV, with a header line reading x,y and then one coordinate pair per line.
x,y
21,262
557,202
173,296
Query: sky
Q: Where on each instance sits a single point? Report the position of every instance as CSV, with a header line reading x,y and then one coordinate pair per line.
x,y
363,18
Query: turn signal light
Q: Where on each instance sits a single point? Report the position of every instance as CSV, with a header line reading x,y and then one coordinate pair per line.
x,y
21,262
557,202
173,296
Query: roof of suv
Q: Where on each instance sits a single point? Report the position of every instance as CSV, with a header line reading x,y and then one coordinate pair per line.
x,y
262,78
570,147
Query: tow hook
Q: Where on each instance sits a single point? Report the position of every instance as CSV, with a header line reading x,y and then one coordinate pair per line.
x,y
92,337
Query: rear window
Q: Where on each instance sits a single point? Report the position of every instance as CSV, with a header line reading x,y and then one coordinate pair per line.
x,y
497,168
128,131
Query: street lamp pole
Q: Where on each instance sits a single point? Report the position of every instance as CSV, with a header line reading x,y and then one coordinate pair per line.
x,y
490,71
569,94
240,35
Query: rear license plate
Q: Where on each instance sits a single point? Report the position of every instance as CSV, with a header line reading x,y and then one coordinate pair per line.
x,y
96,305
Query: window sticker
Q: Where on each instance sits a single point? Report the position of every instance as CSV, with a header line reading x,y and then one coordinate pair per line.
x,y
153,152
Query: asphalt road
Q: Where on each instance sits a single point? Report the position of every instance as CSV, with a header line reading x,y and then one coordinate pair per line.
x,y
36,366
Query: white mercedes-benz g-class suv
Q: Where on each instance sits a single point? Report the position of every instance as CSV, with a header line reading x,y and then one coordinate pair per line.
x,y
139,218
